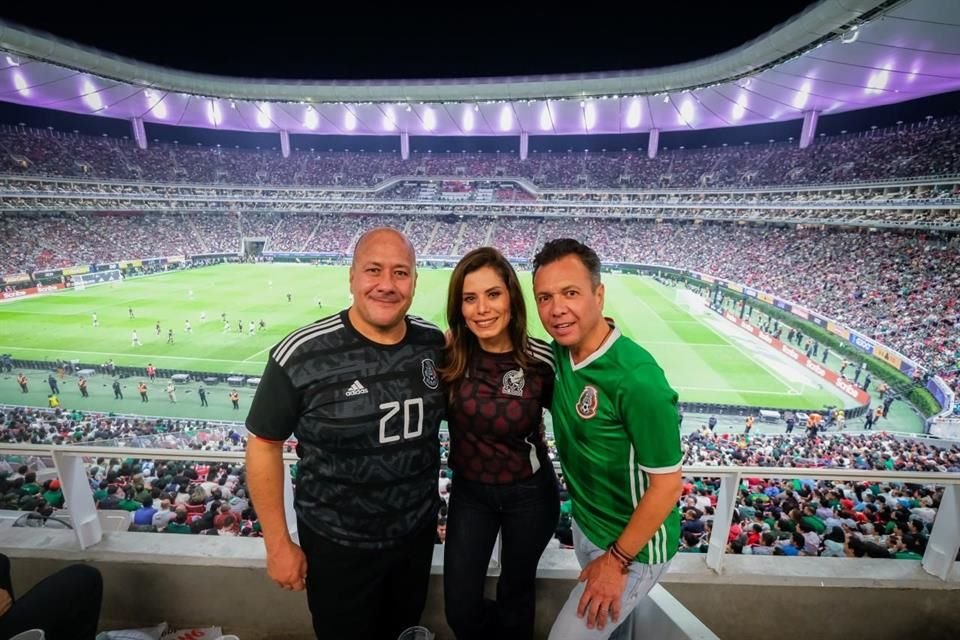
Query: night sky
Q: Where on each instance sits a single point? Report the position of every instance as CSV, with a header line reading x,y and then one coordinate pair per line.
x,y
415,40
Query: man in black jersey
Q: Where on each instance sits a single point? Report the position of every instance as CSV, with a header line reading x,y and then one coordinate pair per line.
x,y
360,392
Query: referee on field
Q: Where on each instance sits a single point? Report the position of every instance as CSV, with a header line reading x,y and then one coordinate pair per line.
x,y
361,393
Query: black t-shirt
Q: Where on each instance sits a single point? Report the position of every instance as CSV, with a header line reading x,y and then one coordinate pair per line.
x,y
496,421
367,418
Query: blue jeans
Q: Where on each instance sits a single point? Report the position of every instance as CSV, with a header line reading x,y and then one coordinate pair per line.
x,y
525,514
642,578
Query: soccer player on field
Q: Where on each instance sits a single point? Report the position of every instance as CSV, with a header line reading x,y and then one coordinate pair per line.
x,y
617,435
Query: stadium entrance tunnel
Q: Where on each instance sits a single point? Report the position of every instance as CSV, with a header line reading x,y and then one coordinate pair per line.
x,y
253,247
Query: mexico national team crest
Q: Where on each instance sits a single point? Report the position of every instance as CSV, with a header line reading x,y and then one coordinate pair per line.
x,y
429,370
513,382
587,403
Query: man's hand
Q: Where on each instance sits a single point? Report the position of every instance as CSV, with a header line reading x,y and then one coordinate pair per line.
x,y
5,601
601,597
287,566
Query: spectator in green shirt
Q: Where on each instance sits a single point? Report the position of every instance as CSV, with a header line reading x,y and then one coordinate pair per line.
x,y
53,495
179,524
30,485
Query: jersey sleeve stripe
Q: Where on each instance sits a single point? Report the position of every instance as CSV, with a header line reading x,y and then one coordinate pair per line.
x,y
417,320
307,337
543,355
660,470
547,361
310,327
533,346
540,348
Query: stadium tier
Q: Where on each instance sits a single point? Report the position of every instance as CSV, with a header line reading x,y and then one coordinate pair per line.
x,y
927,149
898,287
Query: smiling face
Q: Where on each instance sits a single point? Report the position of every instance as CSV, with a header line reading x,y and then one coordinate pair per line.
x,y
570,305
382,280
485,305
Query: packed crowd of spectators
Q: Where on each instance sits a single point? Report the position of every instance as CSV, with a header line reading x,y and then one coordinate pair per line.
x,y
773,516
923,149
898,287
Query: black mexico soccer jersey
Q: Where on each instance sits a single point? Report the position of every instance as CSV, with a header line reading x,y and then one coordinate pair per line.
x,y
496,434
366,417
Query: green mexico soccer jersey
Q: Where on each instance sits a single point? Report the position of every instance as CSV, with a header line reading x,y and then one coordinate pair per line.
x,y
615,423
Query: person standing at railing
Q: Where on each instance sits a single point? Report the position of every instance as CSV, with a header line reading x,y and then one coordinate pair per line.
x,y
361,392
615,423
500,381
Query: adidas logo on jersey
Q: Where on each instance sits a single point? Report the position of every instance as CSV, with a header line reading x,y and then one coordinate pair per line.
x,y
356,389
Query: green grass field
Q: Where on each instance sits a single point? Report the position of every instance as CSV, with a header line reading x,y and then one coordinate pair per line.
x,y
700,363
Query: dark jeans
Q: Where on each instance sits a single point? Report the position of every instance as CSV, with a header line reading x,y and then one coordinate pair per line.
x,y
526,514
66,605
366,593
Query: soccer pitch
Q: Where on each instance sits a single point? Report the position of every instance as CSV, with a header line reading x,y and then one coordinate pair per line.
x,y
700,363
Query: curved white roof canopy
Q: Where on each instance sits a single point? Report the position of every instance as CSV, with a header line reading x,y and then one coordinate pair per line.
x,y
834,57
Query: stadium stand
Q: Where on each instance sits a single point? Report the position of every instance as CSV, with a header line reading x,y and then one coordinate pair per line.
x,y
921,149
897,287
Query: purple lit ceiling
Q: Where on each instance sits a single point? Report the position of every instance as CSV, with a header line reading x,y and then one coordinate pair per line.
x,y
829,59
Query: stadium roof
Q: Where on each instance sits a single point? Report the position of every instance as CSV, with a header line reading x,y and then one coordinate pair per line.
x,y
834,57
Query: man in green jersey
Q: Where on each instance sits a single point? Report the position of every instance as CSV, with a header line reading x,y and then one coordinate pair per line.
x,y
615,424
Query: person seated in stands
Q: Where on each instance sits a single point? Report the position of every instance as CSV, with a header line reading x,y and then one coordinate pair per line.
x,y
766,545
221,515
52,493
689,543
112,501
179,523
30,485
164,516
857,547
65,605
144,515
834,544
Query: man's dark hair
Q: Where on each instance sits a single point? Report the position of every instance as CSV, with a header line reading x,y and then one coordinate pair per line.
x,y
561,248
